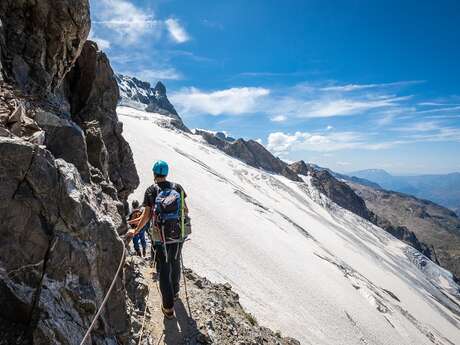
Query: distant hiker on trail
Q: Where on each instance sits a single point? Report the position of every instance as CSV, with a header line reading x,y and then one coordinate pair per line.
x,y
133,220
164,203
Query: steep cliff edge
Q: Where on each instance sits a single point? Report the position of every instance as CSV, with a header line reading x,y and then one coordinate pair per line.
x,y
65,172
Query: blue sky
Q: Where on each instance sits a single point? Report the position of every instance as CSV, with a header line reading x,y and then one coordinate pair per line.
x,y
345,84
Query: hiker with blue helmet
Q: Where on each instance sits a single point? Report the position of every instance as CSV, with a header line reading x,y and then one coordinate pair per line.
x,y
164,204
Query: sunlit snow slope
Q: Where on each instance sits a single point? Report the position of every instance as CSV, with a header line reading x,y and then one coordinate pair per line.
x,y
300,263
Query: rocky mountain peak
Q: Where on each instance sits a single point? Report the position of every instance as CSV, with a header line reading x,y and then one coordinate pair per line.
x,y
302,168
140,95
160,89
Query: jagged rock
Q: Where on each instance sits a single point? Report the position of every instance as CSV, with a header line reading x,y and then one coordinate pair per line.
x,y
338,191
98,155
160,103
140,95
53,282
250,152
65,140
61,248
40,40
93,94
220,319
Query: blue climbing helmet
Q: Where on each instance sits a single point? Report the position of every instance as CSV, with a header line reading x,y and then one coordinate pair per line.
x,y
160,168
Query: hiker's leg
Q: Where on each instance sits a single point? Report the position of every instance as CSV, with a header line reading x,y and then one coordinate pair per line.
x,y
176,269
136,242
164,270
142,238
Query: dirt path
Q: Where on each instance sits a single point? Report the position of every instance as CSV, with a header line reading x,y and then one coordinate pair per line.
x,y
159,330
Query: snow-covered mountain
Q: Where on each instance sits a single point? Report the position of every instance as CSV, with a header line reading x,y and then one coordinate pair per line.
x,y
300,263
140,95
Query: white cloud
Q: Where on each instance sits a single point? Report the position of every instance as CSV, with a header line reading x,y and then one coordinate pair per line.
x,y
129,22
278,118
442,110
355,87
153,75
229,101
283,143
102,43
427,126
176,30
331,107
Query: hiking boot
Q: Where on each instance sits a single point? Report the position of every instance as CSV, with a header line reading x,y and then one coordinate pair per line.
x,y
138,252
168,313
144,252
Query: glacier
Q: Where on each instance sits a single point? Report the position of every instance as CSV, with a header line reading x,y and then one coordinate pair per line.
x,y
300,263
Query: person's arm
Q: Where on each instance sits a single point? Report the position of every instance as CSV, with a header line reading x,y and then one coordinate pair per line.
x,y
135,220
143,219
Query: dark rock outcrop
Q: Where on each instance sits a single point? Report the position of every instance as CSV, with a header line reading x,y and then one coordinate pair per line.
x,y
160,103
252,153
62,248
339,192
65,172
40,41
92,91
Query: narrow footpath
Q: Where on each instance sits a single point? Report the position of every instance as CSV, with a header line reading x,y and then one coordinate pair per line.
x,y
206,313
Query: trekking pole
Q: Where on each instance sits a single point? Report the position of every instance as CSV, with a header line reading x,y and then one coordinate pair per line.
x,y
185,285
164,242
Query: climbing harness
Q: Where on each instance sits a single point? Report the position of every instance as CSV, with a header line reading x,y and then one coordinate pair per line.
x,y
104,301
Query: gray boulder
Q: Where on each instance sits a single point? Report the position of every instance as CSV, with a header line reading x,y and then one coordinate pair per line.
x,y
40,40
92,91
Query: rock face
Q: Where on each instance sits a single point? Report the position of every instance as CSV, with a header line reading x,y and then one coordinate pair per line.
x,y
92,91
337,191
62,249
250,152
65,171
40,41
160,103
432,229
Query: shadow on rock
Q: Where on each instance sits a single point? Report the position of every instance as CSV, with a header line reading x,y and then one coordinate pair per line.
x,y
183,328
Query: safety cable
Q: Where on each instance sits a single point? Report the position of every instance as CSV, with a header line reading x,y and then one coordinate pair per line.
x,y
104,301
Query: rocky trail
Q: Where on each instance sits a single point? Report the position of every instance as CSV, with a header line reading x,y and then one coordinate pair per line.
x,y
205,313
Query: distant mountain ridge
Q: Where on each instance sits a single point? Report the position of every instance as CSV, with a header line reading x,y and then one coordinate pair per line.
x,y
441,189
432,229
